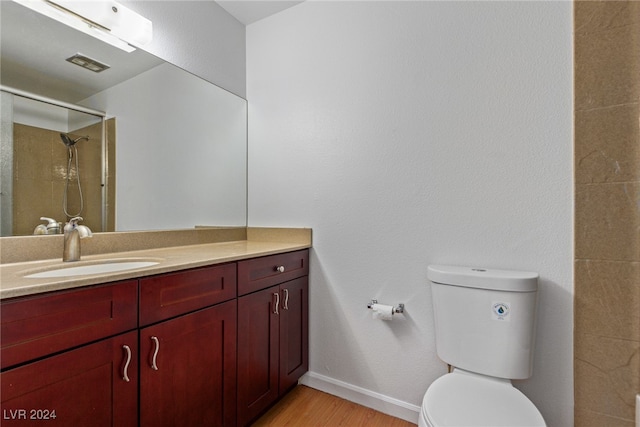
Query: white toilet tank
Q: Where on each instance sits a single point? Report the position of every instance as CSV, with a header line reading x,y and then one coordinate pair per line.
x,y
485,319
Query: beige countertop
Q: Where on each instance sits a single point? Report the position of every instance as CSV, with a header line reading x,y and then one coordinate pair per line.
x,y
13,282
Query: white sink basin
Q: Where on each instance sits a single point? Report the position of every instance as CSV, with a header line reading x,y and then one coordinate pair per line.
x,y
98,268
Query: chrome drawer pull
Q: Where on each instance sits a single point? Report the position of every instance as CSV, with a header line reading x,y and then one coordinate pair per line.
x,y
154,366
125,375
275,306
286,299
280,268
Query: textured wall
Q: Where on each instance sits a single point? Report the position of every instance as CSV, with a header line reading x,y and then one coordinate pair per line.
x,y
410,133
607,217
198,36
181,151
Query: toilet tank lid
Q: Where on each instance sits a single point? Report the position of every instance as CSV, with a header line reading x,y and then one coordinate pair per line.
x,y
484,278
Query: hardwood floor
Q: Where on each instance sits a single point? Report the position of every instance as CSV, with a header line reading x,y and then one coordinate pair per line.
x,y
304,406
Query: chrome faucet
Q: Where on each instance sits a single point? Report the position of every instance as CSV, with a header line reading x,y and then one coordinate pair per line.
x,y
73,232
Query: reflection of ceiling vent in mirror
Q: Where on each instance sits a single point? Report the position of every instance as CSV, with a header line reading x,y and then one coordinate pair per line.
x,y
88,63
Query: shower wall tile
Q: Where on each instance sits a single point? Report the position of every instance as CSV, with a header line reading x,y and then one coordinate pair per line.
x,y
606,148
40,170
608,303
606,67
26,215
607,375
597,16
92,212
593,419
110,202
607,221
32,153
59,158
607,212
57,194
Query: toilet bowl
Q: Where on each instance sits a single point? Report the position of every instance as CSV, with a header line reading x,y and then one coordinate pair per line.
x,y
465,399
485,329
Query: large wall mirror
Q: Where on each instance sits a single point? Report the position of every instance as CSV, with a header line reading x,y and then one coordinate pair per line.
x,y
142,145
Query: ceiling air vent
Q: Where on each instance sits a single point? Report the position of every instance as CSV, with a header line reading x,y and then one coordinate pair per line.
x,y
88,63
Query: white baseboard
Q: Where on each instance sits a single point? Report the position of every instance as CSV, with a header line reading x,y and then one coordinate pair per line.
x,y
362,396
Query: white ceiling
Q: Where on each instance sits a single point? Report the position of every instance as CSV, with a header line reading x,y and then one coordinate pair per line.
x,y
249,11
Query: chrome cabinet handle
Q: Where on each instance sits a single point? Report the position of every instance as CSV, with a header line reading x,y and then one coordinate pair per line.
x,y
275,306
154,366
125,375
286,299
280,268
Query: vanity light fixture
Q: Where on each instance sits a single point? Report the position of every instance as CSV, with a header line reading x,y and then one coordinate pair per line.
x,y
105,20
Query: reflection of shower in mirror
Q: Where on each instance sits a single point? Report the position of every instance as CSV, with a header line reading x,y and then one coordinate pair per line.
x,y
70,143
46,144
148,118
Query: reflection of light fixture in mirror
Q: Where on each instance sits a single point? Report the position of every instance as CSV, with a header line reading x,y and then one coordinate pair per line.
x,y
88,63
106,20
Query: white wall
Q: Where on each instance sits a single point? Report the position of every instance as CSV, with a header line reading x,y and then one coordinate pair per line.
x,y
180,151
30,112
410,133
198,36
35,113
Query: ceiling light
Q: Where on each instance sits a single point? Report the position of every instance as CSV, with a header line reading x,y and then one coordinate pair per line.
x,y
106,20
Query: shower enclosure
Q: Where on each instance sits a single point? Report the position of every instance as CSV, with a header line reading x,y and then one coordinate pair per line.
x,y
55,164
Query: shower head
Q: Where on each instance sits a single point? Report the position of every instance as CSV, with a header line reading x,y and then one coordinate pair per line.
x,y
66,139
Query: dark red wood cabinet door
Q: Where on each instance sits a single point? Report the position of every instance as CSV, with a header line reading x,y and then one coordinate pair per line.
x,y
81,387
294,338
258,329
195,380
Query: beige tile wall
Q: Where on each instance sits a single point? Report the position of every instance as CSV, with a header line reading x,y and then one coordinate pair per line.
x,y
607,212
40,168
110,202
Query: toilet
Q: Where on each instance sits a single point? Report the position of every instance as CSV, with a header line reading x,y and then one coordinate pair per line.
x,y
485,330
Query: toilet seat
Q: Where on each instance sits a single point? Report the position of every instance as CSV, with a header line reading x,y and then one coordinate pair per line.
x,y
464,399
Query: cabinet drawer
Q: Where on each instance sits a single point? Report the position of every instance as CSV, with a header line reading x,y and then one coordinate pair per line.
x,y
260,273
33,327
170,295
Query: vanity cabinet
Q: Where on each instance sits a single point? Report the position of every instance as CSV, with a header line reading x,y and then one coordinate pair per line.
x,y
54,376
188,363
272,330
208,346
